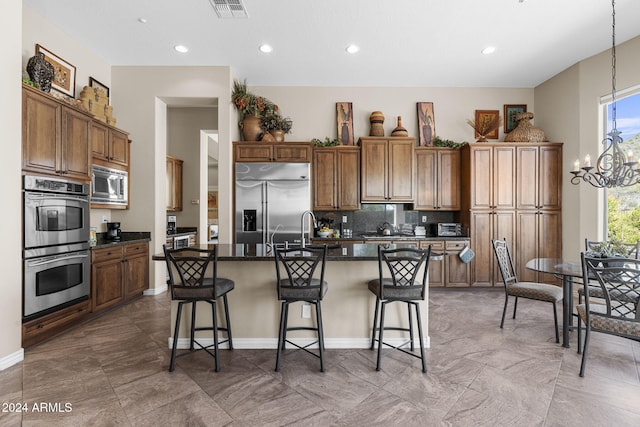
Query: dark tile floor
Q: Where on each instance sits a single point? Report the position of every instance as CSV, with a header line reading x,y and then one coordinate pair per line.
x,y
113,371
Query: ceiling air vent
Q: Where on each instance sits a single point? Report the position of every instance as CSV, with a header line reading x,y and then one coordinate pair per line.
x,y
229,8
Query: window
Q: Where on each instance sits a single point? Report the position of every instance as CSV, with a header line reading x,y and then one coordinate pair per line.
x,y
622,216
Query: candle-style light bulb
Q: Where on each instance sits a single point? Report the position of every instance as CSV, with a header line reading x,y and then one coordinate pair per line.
x,y
587,161
576,165
630,155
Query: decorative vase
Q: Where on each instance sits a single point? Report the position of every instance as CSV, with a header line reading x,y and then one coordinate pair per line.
x,y
525,131
399,130
40,71
278,135
376,119
250,128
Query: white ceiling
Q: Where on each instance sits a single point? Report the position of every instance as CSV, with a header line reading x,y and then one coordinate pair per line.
x,y
402,42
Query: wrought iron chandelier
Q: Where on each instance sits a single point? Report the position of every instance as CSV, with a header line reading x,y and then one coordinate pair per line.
x,y
613,168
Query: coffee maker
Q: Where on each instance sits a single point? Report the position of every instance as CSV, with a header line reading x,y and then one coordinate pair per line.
x,y
113,231
171,225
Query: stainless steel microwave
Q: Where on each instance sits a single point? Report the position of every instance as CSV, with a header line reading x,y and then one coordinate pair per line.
x,y
109,186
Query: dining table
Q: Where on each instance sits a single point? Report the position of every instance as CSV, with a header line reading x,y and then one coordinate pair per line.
x,y
566,270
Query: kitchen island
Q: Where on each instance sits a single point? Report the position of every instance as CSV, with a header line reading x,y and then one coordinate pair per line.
x,y
347,308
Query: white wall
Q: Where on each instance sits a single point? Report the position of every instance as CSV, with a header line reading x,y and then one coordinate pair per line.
x,y
10,163
569,106
313,109
141,100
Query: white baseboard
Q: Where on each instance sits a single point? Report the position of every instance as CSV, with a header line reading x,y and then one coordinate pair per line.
x,y
155,291
271,343
11,359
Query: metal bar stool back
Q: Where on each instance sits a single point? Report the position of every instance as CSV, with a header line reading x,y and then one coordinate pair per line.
x,y
300,277
405,284
189,284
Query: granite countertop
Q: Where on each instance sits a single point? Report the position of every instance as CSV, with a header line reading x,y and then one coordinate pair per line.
x,y
365,237
126,238
260,252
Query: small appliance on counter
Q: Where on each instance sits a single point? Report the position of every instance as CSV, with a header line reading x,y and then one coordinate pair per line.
x,y
420,231
171,225
447,229
113,231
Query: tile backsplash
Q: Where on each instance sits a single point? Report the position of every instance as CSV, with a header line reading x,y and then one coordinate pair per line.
x,y
371,215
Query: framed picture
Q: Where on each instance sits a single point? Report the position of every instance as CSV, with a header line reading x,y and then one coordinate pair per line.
x,y
96,84
426,123
344,114
64,77
510,111
487,124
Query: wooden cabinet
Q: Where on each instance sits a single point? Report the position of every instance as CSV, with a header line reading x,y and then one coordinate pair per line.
x,y
136,269
450,271
174,184
387,166
293,152
42,328
118,273
336,178
55,136
437,179
512,191
109,146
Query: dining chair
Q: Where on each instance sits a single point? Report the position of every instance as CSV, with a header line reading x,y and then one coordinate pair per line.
x,y
399,280
618,313
300,278
517,289
633,251
190,283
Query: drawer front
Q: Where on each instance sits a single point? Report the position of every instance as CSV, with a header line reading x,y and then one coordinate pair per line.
x,y
101,255
456,245
137,248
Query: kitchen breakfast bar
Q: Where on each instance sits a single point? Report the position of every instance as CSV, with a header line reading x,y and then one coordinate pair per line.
x,y
347,308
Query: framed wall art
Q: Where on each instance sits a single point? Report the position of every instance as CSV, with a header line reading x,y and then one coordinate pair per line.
x,y
64,77
344,113
510,111
426,123
487,124
97,85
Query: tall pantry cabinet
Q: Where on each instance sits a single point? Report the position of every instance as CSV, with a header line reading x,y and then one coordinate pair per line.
x,y
512,191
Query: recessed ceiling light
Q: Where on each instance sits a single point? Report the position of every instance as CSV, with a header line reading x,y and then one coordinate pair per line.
x,y
181,48
142,20
488,50
352,48
265,48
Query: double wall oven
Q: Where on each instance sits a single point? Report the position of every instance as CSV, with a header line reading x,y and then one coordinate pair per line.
x,y
56,261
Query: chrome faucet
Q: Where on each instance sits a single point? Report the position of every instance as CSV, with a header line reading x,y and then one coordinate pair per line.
x,y
315,224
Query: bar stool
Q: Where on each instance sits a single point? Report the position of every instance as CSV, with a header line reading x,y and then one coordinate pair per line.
x,y
300,285
404,285
189,284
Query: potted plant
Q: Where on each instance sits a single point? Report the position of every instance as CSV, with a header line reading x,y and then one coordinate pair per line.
x,y
275,124
251,108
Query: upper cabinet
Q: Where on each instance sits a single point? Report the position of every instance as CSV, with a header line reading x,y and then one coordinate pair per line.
x,y
253,151
174,184
492,169
55,136
438,179
109,146
387,168
537,188
336,178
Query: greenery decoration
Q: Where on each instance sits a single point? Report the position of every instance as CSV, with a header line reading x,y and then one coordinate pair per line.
x,y
439,142
613,247
328,142
273,120
247,103
30,82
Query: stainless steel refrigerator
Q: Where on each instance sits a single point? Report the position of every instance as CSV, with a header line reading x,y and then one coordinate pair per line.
x,y
270,200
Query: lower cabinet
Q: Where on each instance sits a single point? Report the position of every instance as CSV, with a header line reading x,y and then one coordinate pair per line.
x,y
450,271
118,273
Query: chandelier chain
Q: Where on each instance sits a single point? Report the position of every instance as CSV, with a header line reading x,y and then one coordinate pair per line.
x,y
613,65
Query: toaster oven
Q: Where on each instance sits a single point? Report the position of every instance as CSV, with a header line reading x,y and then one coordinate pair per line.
x,y
448,229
